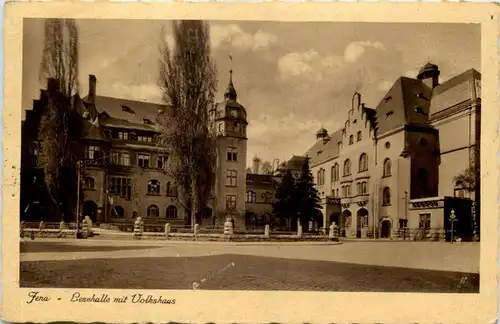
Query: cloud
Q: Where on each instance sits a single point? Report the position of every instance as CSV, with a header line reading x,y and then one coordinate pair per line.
x,y
237,37
295,64
355,50
148,92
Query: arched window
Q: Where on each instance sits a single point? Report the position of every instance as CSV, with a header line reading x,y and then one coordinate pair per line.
x,y
359,136
117,211
89,183
250,196
348,191
387,167
347,167
332,174
153,187
351,140
386,199
171,212
335,172
153,211
363,162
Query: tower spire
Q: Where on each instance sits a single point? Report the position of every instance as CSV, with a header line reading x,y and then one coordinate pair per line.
x,y
230,91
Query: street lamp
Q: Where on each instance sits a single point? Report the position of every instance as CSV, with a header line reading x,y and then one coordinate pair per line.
x,y
453,218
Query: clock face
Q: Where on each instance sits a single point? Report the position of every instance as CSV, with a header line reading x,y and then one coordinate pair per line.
x,y
234,113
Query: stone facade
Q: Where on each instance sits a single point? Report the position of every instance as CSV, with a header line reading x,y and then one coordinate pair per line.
x,y
420,136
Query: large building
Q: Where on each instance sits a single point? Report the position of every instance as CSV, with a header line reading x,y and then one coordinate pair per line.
x,y
124,170
393,167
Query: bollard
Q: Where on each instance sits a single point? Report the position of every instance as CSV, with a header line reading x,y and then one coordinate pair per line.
x,y
196,229
228,228
267,231
41,226
167,229
85,232
334,234
138,228
62,226
89,226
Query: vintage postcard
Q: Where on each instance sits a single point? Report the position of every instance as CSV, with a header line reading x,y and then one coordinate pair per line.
x,y
250,163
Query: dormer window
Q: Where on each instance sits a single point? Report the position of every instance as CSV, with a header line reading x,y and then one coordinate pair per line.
x,y
420,95
127,109
354,121
147,121
389,113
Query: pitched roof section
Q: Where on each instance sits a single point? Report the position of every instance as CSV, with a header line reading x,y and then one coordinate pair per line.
x,y
454,91
126,113
325,150
407,102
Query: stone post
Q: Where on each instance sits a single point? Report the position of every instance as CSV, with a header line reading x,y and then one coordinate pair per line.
x,y
228,228
167,229
41,226
299,230
334,234
89,226
267,232
85,230
62,226
196,229
22,227
138,227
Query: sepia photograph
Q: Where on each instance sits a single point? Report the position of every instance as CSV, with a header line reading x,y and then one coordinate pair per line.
x,y
161,164
250,155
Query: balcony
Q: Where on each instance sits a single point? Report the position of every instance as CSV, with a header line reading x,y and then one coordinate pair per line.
x,y
331,200
99,163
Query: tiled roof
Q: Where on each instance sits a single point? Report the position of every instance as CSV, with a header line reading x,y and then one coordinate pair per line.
x,y
126,113
454,91
322,151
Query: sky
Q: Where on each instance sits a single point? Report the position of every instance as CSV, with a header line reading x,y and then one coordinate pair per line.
x,y
292,77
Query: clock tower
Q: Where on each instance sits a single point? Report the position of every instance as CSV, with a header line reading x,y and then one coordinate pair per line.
x,y
230,122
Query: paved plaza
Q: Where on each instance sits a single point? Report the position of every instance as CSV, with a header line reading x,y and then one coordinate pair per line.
x,y
351,266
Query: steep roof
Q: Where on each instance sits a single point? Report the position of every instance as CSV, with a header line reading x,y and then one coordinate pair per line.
x,y
407,102
126,113
325,150
454,91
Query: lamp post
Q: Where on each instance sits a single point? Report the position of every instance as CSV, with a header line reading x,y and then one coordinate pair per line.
x,y
78,167
452,220
406,216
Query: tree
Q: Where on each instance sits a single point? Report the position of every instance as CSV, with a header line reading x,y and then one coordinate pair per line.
x,y
188,82
308,199
267,168
285,204
60,125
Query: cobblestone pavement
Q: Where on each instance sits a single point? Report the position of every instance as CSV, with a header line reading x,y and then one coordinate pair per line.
x,y
463,257
239,272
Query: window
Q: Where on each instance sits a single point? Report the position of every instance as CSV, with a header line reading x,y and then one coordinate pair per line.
x,y
143,160
117,211
231,202
351,140
125,159
267,197
321,177
347,191
332,174
337,193
403,223
362,188
386,198
250,197
363,162
89,183
114,157
171,190
123,135
387,145
92,152
347,167
153,211
120,186
387,167
171,212
359,136
231,177
232,155
153,187
424,221
145,139
161,162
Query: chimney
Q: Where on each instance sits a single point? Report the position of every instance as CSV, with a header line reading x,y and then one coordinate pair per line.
x,y
92,88
256,165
